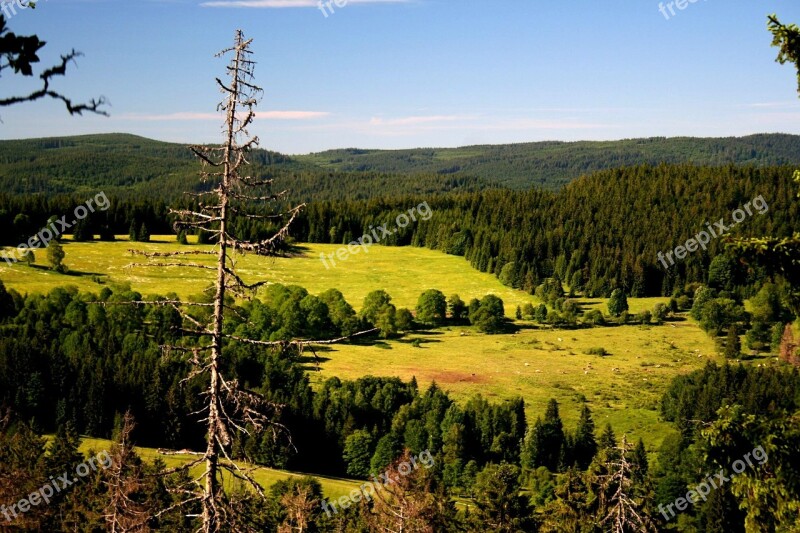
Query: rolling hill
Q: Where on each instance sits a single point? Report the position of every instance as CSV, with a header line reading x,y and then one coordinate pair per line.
x,y
129,165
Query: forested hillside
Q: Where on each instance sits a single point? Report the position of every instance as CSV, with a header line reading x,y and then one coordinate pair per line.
x,y
601,232
551,165
127,165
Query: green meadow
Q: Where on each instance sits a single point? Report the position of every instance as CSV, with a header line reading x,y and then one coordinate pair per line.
x,y
622,388
403,272
537,363
332,487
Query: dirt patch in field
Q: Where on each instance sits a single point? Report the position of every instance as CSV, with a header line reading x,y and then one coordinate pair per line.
x,y
452,376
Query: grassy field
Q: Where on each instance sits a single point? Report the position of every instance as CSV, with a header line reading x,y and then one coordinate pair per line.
x,y
622,388
266,477
536,363
403,272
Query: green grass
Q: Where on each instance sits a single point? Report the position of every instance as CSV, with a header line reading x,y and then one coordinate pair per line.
x,y
266,477
403,272
622,388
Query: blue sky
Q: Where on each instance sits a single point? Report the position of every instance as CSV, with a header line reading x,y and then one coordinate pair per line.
x,y
398,74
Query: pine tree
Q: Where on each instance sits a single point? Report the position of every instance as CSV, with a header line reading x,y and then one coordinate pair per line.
x,y
618,303
55,256
143,235
733,345
133,231
585,442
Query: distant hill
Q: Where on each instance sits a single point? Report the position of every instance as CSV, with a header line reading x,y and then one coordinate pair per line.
x,y
130,166
550,165
127,165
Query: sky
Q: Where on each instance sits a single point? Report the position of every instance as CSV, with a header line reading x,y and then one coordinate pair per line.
x,y
416,73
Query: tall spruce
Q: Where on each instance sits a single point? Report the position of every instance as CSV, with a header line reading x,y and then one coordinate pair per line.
x,y
585,446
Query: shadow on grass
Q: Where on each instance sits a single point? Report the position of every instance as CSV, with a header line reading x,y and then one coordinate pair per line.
x,y
418,341
72,273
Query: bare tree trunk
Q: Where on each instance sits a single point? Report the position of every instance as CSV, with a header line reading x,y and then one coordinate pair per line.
x,y
229,408
214,422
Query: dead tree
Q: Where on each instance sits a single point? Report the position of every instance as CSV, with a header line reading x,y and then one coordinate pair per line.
x,y
124,479
18,53
228,408
624,514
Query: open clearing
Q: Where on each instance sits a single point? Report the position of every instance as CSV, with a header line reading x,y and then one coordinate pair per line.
x,y
403,272
623,388
331,487
536,363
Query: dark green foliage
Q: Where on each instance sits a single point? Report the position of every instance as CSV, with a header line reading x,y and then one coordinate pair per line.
x,y
489,315
404,320
82,231
358,450
545,441
541,313
618,303
733,346
719,314
721,513
519,227
143,235
787,39
508,274
500,506
341,314
552,164
723,273
458,309
550,291
660,313
291,501
55,256
432,307
585,444
380,312
702,296
698,396
528,311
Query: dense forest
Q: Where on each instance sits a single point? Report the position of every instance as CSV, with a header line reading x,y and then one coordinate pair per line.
x,y
551,165
130,166
586,234
74,363
226,377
